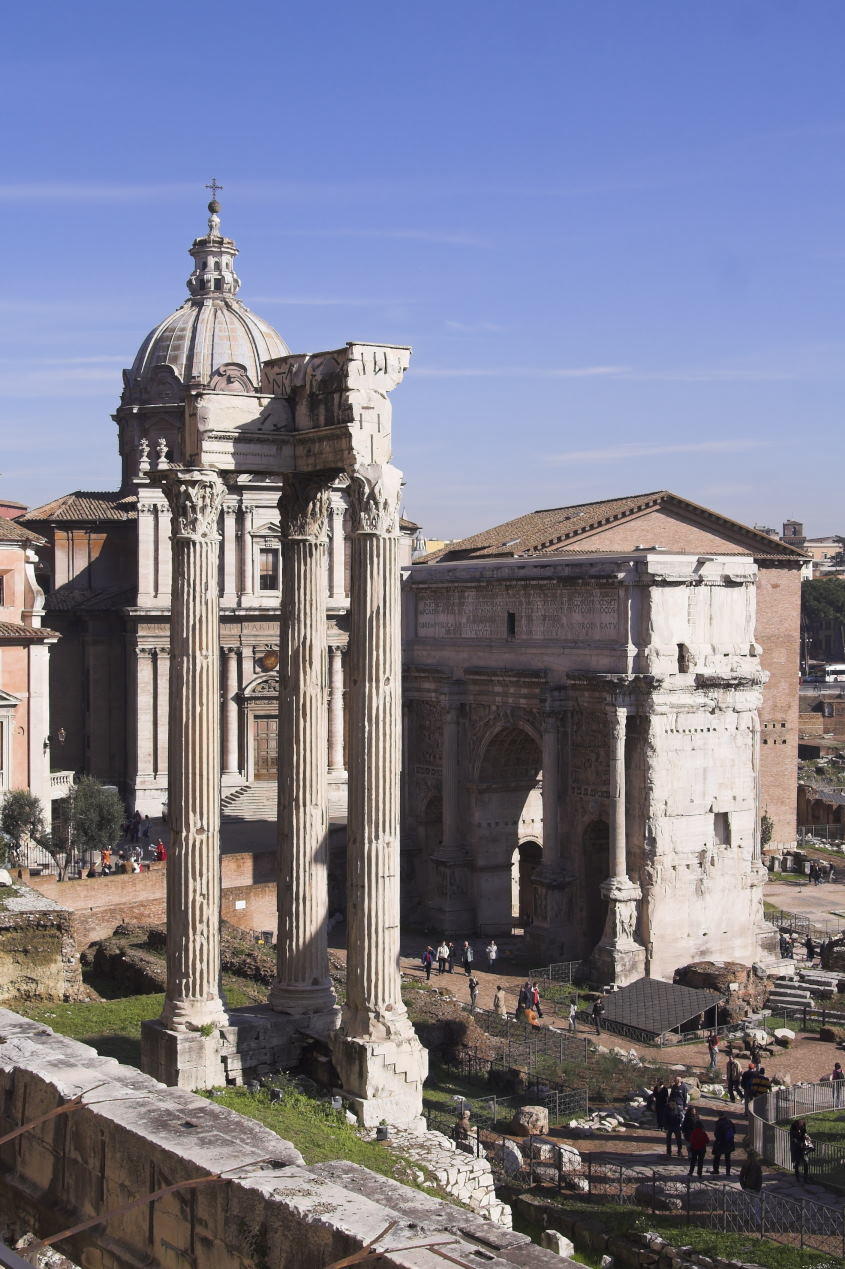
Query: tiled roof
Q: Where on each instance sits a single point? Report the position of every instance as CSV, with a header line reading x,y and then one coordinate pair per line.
x,y
551,530
84,505
405,523
655,1006
10,531
11,630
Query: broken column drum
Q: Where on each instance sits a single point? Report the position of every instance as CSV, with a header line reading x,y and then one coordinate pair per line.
x,y
378,1056
303,986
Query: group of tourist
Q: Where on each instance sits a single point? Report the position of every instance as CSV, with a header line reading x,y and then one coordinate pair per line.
x,y
447,954
127,861
820,870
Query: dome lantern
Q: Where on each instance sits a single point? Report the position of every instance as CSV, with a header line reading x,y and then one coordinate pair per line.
x,y
214,258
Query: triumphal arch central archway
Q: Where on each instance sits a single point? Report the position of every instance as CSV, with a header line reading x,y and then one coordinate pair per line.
x,y
327,417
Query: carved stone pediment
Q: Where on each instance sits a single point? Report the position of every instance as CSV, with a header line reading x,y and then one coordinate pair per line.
x,y
231,377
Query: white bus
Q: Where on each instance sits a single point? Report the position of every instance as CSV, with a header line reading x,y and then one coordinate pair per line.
x,y
834,673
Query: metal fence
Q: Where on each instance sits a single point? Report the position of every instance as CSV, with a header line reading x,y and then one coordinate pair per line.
x,y
770,1137
541,1163
524,1044
562,972
798,923
821,834
561,1102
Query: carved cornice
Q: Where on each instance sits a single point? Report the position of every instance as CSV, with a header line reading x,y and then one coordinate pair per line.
x,y
303,507
195,499
374,492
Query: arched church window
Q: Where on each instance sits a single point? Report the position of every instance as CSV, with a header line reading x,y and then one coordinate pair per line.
x,y
216,266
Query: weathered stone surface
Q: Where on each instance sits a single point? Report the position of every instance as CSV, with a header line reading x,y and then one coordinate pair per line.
x,y
530,1121
558,1242
38,957
751,993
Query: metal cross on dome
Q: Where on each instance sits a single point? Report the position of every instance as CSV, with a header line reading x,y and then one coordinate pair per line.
x,y
214,187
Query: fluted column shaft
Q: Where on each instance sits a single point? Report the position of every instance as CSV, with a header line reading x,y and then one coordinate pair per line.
x,y
145,715
374,1006
230,710
193,867
337,558
618,853
162,721
303,985
336,709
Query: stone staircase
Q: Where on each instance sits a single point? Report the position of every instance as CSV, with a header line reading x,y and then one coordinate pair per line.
x,y
251,802
805,987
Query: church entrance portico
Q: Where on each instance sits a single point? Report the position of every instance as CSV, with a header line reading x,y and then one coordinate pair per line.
x,y
265,731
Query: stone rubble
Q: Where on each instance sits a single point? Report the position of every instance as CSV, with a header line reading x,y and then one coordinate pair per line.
x,y
464,1177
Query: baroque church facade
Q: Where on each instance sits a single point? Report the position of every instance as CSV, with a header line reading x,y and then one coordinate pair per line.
x,y
106,562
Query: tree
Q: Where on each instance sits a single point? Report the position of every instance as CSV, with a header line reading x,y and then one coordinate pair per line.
x,y
767,827
89,819
21,821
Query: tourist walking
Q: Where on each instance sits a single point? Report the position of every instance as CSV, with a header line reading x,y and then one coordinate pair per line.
x,y
473,993
810,948
535,999
837,1079
499,1002
523,1001
673,1117
723,1143
492,952
751,1173
450,955
161,852
800,1146
573,1015
428,961
597,1013
659,1098
732,1078
713,1051
442,957
467,957
698,1143
746,1081
760,1083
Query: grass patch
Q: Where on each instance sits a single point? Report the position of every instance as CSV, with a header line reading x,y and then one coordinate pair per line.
x,y
112,1027
320,1132
613,1219
6,892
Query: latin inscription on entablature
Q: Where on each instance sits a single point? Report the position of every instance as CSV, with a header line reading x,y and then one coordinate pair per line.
x,y
539,612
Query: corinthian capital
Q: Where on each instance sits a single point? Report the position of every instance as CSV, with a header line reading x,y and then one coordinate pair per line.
x,y
195,498
374,491
303,506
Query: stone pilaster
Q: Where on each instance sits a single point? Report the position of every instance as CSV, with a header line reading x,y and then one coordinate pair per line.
x,y
619,958
303,987
230,577
548,933
162,720
337,769
231,766
192,1000
380,1061
452,907
337,550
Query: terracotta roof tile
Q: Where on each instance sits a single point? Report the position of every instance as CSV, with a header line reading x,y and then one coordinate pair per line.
x,y
69,598
11,630
548,531
11,531
84,505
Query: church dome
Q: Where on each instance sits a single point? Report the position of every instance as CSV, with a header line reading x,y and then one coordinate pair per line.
x,y
212,340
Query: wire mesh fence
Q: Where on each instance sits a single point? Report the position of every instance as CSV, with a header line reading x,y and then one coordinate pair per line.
x,y
544,1164
771,1114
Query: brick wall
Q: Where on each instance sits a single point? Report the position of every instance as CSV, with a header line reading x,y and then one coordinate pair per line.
x,y
101,903
778,633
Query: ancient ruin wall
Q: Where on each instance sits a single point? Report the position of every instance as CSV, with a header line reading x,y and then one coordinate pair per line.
x,y
134,1136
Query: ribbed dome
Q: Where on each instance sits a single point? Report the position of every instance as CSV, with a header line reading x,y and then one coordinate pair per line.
x,y
203,335
210,331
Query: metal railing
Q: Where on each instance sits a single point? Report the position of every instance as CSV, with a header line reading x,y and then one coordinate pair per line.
x,y
562,972
820,834
524,1044
770,1137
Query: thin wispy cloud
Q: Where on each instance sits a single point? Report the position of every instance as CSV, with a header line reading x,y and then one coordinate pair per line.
x,y
327,301
652,449
445,237
472,328
704,375
514,372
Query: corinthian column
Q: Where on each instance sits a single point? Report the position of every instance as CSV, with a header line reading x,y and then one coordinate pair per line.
x,y
619,957
303,985
193,998
378,1056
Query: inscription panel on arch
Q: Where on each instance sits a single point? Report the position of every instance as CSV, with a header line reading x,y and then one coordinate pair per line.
x,y
521,611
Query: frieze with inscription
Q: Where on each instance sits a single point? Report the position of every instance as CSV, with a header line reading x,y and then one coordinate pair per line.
x,y
525,611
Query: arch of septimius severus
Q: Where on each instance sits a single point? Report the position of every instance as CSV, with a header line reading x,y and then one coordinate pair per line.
x,y
328,422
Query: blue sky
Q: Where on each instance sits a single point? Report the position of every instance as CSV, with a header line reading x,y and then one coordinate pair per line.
x,y
613,233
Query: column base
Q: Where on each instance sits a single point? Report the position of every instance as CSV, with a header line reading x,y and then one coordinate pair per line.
x,y
383,1079
619,959
314,1009
232,780
182,1059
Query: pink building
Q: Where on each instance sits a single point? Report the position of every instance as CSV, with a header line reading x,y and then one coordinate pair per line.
x,y
24,667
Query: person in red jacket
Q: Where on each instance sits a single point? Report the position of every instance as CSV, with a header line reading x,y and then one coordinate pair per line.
x,y
698,1143
161,852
